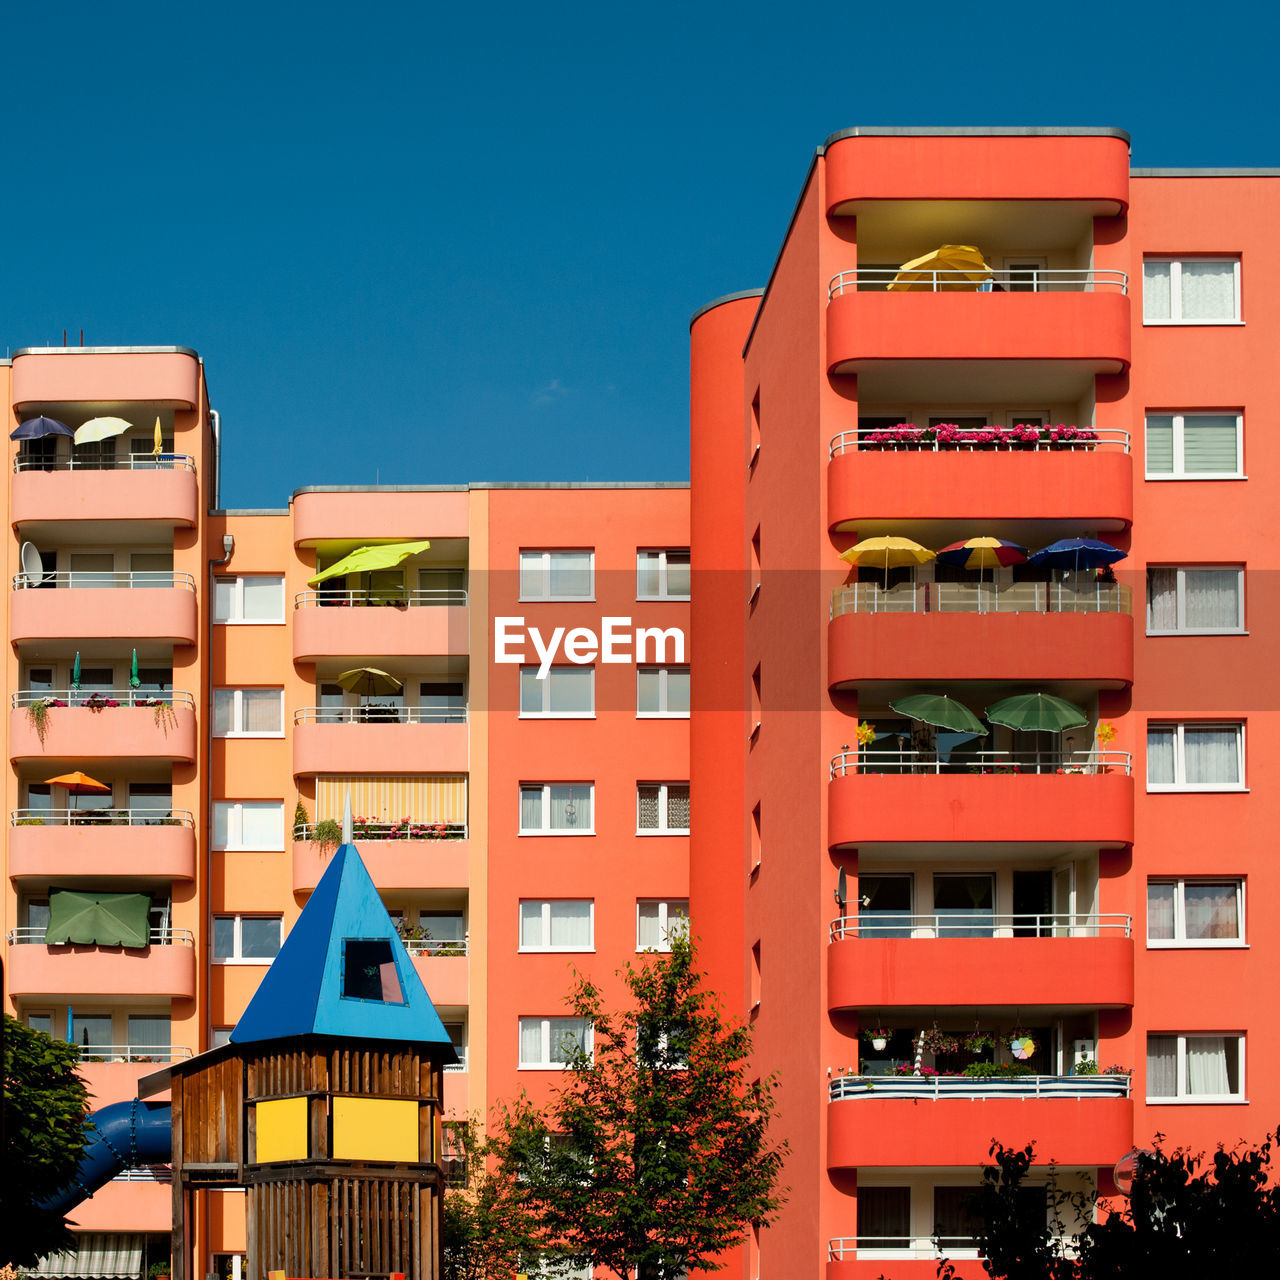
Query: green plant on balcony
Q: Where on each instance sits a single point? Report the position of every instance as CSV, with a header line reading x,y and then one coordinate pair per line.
x,y
166,717
300,821
38,717
1086,1067
29,822
327,834
997,1070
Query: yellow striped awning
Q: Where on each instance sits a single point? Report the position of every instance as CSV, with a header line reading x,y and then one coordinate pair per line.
x,y
96,1256
423,797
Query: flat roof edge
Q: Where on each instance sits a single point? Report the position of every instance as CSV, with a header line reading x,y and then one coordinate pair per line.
x,y
105,351
481,484
722,301
978,131
1208,172
249,511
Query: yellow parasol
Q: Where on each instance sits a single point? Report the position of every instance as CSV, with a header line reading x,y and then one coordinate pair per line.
x,y
951,267
887,553
159,445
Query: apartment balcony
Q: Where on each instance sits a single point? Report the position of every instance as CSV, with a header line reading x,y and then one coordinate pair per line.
x,y
341,515
875,481
457,1092
160,377
945,960
900,1121
903,1257
896,798
443,967
37,971
57,844
944,631
434,856
106,724
125,607
379,740
136,1200
112,1072
135,487
351,625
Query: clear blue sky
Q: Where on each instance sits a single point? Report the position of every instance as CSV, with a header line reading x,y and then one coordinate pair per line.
x,y
435,243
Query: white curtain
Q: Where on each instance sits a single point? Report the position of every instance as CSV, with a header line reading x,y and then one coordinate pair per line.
x,y
1211,910
571,808
1207,1066
570,574
648,930
1162,1066
530,808
1160,910
263,825
567,1034
1208,290
262,710
677,690
531,924
571,924
1212,755
1156,297
1162,599
224,710
530,1040
1213,598
263,599
572,690
1160,751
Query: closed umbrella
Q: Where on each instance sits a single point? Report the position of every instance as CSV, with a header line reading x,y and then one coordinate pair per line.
x,y
369,681
952,267
101,429
38,428
134,680
159,440
1076,553
75,671
1036,713
940,711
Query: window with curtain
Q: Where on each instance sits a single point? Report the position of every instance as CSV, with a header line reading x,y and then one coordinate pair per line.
x,y
559,808
248,824
662,691
1195,913
1190,290
1195,757
548,1043
662,808
1194,600
662,574
561,925
257,599
1190,446
566,691
884,905
248,713
557,575
952,1221
659,922
149,1034
965,905
1195,1067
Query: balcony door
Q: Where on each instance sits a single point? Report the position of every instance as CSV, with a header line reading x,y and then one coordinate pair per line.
x,y
1064,900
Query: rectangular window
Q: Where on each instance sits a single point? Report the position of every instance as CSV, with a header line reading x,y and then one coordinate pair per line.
x,y
557,575
1195,757
662,808
246,939
1195,446
556,808
566,925
221,1036
659,922
1191,291
149,1034
248,713
568,692
663,575
884,1217
551,1042
256,600
457,1033
662,691
1195,1068
248,824
1199,601
1195,913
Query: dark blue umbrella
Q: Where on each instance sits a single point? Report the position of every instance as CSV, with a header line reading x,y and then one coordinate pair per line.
x,y
1076,553
38,428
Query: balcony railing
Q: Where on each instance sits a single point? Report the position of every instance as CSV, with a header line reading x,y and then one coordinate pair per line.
x,y
979,924
982,597
380,714
104,699
122,462
1031,280
133,1052
435,946
95,579
146,1173
911,439
461,1064
931,1248
411,830
962,760
34,935
102,818
942,1088
381,597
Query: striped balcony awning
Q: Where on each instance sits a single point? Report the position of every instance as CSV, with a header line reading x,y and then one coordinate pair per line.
x,y
97,1256
424,797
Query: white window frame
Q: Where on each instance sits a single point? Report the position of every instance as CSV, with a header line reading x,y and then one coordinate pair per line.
x,y
546,555
544,687
546,830
546,1064
1182,1097
546,905
664,675
1180,941
238,619
1180,758
664,906
661,829
1182,629
662,553
1175,288
1179,472
238,956
237,712
235,821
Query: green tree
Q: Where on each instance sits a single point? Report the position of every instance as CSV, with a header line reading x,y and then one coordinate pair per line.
x,y
653,1151
44,1108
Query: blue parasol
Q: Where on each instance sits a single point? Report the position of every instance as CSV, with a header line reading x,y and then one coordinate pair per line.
x,y
1076,553
38,428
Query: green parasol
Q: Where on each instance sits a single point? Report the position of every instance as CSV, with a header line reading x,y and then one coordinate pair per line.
x,y
1036,713
134,681
101,919
75,671
939,710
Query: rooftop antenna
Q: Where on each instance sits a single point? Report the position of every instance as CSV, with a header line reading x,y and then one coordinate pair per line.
x,y
346,819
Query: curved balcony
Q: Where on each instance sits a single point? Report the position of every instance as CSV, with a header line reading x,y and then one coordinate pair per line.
x,y
896,1121
1027,960
346,515
54,844
166,968
894,798
1085,484
108,724
394,863
112,606
443,968
378,740
350,625
943,631
158,376
136,487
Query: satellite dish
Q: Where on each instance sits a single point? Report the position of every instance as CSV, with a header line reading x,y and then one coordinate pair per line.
x,y
842,890
1126,1168
32,565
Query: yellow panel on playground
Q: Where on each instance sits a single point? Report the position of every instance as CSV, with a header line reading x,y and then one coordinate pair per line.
x,y
375,1129
282,1130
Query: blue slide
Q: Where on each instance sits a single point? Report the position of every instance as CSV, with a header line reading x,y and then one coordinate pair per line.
x,y
118,1137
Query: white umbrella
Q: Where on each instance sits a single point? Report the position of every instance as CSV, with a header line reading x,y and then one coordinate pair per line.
x,y
101,429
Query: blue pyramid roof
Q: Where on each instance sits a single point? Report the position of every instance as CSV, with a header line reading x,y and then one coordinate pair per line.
x,y
307,990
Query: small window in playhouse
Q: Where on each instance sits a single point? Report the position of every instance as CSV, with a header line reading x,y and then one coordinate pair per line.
x,y
369,971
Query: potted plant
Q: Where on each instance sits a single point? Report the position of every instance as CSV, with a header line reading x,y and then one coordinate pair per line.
x,y
877,1035
38,717
327,834
160,1270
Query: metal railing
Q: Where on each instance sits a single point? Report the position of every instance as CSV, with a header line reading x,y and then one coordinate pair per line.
x,y
460,1065
412,830
133,1052
912,439
846,1248
100,699
102,818
381,596
121,462
979,924
146,1173
962,760
378,713
436,946
983,597
941,1088
33,935
1028,280
102,579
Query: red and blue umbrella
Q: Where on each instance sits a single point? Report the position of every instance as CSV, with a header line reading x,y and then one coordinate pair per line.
x,y
1076,553
983,553
38,428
